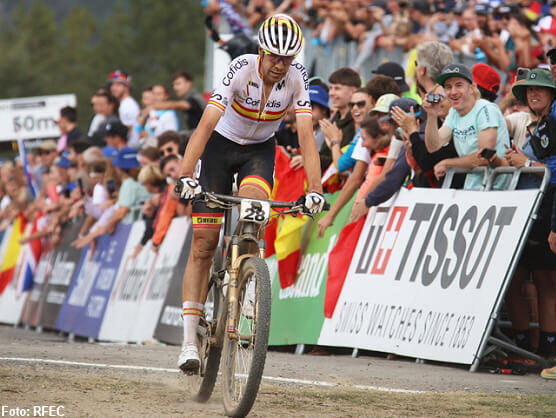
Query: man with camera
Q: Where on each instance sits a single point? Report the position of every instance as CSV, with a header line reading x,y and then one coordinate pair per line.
x,y
477,127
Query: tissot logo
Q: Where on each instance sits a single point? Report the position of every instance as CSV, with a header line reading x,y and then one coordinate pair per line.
x,y
473,235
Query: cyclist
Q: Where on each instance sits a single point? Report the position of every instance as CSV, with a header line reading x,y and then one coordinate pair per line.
x,y
236,135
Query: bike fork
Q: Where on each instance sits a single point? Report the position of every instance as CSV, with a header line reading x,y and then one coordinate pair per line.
x,y
233,289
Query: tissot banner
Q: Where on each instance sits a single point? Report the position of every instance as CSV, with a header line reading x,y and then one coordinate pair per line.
x,y
427,272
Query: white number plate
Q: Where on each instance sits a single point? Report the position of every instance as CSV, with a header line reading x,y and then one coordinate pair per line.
x,y
254,211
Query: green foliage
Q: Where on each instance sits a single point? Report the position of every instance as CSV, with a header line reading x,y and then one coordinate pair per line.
x,y
45,51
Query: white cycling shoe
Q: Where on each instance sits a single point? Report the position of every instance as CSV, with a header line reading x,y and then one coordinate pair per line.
x,y
188,360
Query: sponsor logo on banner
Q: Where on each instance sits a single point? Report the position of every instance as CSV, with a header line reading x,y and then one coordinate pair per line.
x,y
427,272
172,316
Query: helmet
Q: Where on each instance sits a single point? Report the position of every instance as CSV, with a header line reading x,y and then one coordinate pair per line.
x,y
281,35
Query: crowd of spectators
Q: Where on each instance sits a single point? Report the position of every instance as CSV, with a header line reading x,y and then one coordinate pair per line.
x,y
120,169
404,127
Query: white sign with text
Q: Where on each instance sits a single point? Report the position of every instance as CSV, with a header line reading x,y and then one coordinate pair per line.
x,y
427,272
32,117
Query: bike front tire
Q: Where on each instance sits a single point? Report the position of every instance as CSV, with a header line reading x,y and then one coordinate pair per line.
x,y
244,358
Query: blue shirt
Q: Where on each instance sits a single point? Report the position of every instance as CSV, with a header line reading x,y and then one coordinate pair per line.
x,y
346,162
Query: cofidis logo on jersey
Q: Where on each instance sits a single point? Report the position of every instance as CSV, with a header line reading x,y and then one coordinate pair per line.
x,y
234,68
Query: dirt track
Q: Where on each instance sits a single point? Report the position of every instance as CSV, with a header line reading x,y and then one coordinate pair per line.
x,y
94,391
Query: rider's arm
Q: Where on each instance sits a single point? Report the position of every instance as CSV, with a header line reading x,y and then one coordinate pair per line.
x,y
199,139
308,145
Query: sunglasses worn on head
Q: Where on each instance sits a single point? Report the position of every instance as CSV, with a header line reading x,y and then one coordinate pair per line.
x,y
360,104
275,59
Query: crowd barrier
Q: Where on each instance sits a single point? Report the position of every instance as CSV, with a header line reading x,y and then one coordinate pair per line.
x,y
105,294
424,276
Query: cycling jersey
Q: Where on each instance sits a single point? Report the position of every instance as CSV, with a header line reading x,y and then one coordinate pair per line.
x,y
239,97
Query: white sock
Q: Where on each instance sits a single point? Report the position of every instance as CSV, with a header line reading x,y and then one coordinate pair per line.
x,y
192,311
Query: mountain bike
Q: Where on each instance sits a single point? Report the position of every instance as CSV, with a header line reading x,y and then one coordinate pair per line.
x,y
236,323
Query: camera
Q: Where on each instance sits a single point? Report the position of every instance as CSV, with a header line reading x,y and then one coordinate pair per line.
x,y
521,73
434,98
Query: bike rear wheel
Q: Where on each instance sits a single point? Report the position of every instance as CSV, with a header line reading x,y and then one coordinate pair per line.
x,y
202,384
244,358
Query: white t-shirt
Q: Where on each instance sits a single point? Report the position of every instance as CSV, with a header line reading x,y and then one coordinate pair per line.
x,y
396,146
518,127
163,121
5,202
95,123
93,204
129,111
361,153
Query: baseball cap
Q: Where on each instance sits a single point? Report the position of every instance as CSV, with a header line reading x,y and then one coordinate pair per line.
x,y
109,152
120,76
546,25
551,52
454,70
486,77
422,6
394,70
126,158
482,9
49,144
319,95
63,162
382,105
405,103
116,129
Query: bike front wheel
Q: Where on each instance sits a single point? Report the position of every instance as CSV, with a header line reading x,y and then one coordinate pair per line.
x,y
244,357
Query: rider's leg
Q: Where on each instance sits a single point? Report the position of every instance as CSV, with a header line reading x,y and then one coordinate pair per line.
x,y
195,283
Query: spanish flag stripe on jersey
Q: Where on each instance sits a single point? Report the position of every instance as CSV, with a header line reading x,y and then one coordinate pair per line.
x,y
216,104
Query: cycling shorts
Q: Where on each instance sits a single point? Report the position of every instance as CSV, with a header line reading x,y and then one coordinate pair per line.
x,y
220,161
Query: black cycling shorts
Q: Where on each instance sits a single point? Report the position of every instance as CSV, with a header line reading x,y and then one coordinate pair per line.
x,y
220,161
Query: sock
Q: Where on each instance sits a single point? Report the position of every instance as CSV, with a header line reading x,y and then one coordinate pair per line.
x,y
523,339
547,344
192,311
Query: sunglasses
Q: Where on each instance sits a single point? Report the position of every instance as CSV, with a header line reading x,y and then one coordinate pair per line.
x,y
44,152
275,59
360,104
167,150
552,59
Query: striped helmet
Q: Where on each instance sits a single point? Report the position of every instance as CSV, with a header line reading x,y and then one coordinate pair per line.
x,y
281,35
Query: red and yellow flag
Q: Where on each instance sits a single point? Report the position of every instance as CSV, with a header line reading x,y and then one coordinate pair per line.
x,y
283,237
9,261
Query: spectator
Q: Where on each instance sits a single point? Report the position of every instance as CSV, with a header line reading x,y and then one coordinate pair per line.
x,y
475,124
68,127
148,156
169,143
116,135
539,92
154,182
395,71
107,106
189,100
47,154
131,194
160,121
432,57
380,85
487,80
98,117
128,110
343,83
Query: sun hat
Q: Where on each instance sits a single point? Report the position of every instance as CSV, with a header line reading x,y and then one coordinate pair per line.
x,y
538,77
319,95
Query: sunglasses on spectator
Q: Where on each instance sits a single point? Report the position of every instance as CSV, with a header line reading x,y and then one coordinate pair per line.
x,y
44,151
11,178
167,151
360,104
552,59
275,59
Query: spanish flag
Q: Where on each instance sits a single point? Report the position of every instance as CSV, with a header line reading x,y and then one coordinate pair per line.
x,y
9,262
339,261
283,237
